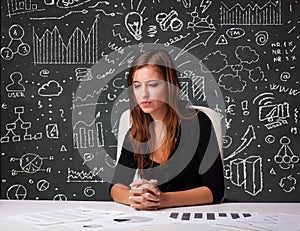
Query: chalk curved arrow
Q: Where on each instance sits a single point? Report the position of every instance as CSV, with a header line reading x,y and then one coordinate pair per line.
x,y
201,39
291,179
247,138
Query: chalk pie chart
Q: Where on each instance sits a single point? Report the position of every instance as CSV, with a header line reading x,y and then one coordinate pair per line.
x,y
16,192
132,219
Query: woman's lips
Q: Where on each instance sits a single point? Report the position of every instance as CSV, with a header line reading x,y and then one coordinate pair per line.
x,y
145,103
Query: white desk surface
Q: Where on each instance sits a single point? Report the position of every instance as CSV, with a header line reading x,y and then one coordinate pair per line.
x,y
14,207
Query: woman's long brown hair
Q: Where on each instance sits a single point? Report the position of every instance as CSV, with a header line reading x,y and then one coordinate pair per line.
x,y
140,121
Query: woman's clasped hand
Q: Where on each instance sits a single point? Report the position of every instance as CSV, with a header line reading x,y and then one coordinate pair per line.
x,y
145,195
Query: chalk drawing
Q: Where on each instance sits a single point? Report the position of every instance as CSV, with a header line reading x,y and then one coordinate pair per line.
x,y
246,172
186,3
60,197
232,83
288,184
201,38
44,73
16,33
227,141
221,40
84,136
296,112
230,109
214,62
283,89
235,33
274,114
67,4
31,163
110,162
284,52
247,139
205,4
89,191
228,123
270,139
120,37
246,54
83,74
50,89
15,89
285,157
42,185
152,31
87,157
285,76
55,51
268,14
134,22
261,38
16,192
21,7
245,109
19,125
52,131
75,176
84,11
89,99
169,21
199,22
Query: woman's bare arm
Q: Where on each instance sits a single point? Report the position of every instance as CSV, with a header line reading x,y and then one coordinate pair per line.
x,y
120,193
196,196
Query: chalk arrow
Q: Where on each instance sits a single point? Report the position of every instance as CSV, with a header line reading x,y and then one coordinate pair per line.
x,y
4,106
200,39
247,138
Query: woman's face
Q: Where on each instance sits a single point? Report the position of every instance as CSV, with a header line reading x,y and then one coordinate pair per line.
x,y
150,91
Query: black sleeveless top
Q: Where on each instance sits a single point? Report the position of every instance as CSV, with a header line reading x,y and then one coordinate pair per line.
x,y
194,162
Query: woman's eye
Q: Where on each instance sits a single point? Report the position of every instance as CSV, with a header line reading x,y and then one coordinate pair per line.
x,y
153,84
136,86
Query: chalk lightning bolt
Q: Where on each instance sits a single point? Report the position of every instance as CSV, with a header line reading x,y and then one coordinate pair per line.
x,y
205,4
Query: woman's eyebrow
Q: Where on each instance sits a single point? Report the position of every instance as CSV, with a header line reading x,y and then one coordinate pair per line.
x,y
151,80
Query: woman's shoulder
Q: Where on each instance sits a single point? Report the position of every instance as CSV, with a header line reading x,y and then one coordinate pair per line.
x,y
188,110
203,117
195,117
198,116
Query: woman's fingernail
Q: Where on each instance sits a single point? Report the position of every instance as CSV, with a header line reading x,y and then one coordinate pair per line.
x,y
130,197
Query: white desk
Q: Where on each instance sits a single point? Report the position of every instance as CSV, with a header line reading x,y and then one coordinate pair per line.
x,y
9,208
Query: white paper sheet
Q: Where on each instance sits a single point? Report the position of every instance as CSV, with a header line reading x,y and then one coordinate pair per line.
x,y
61,216
266,222
83,219
128,220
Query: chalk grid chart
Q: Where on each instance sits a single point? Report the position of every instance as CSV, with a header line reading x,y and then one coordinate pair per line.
x,y
60,59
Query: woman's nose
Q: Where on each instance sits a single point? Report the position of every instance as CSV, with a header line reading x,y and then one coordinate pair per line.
x,y
145,92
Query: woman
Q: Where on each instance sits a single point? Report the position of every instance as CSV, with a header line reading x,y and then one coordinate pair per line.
x,y
166,143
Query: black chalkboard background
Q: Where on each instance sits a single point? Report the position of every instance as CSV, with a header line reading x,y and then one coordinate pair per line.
x,y
55,93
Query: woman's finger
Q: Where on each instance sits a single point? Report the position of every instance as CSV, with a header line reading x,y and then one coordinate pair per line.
x,y
153,190
143,207
151,197
136,199
146,205
139,182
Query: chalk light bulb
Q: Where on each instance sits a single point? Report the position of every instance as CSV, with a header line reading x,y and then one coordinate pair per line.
x,y
134,23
